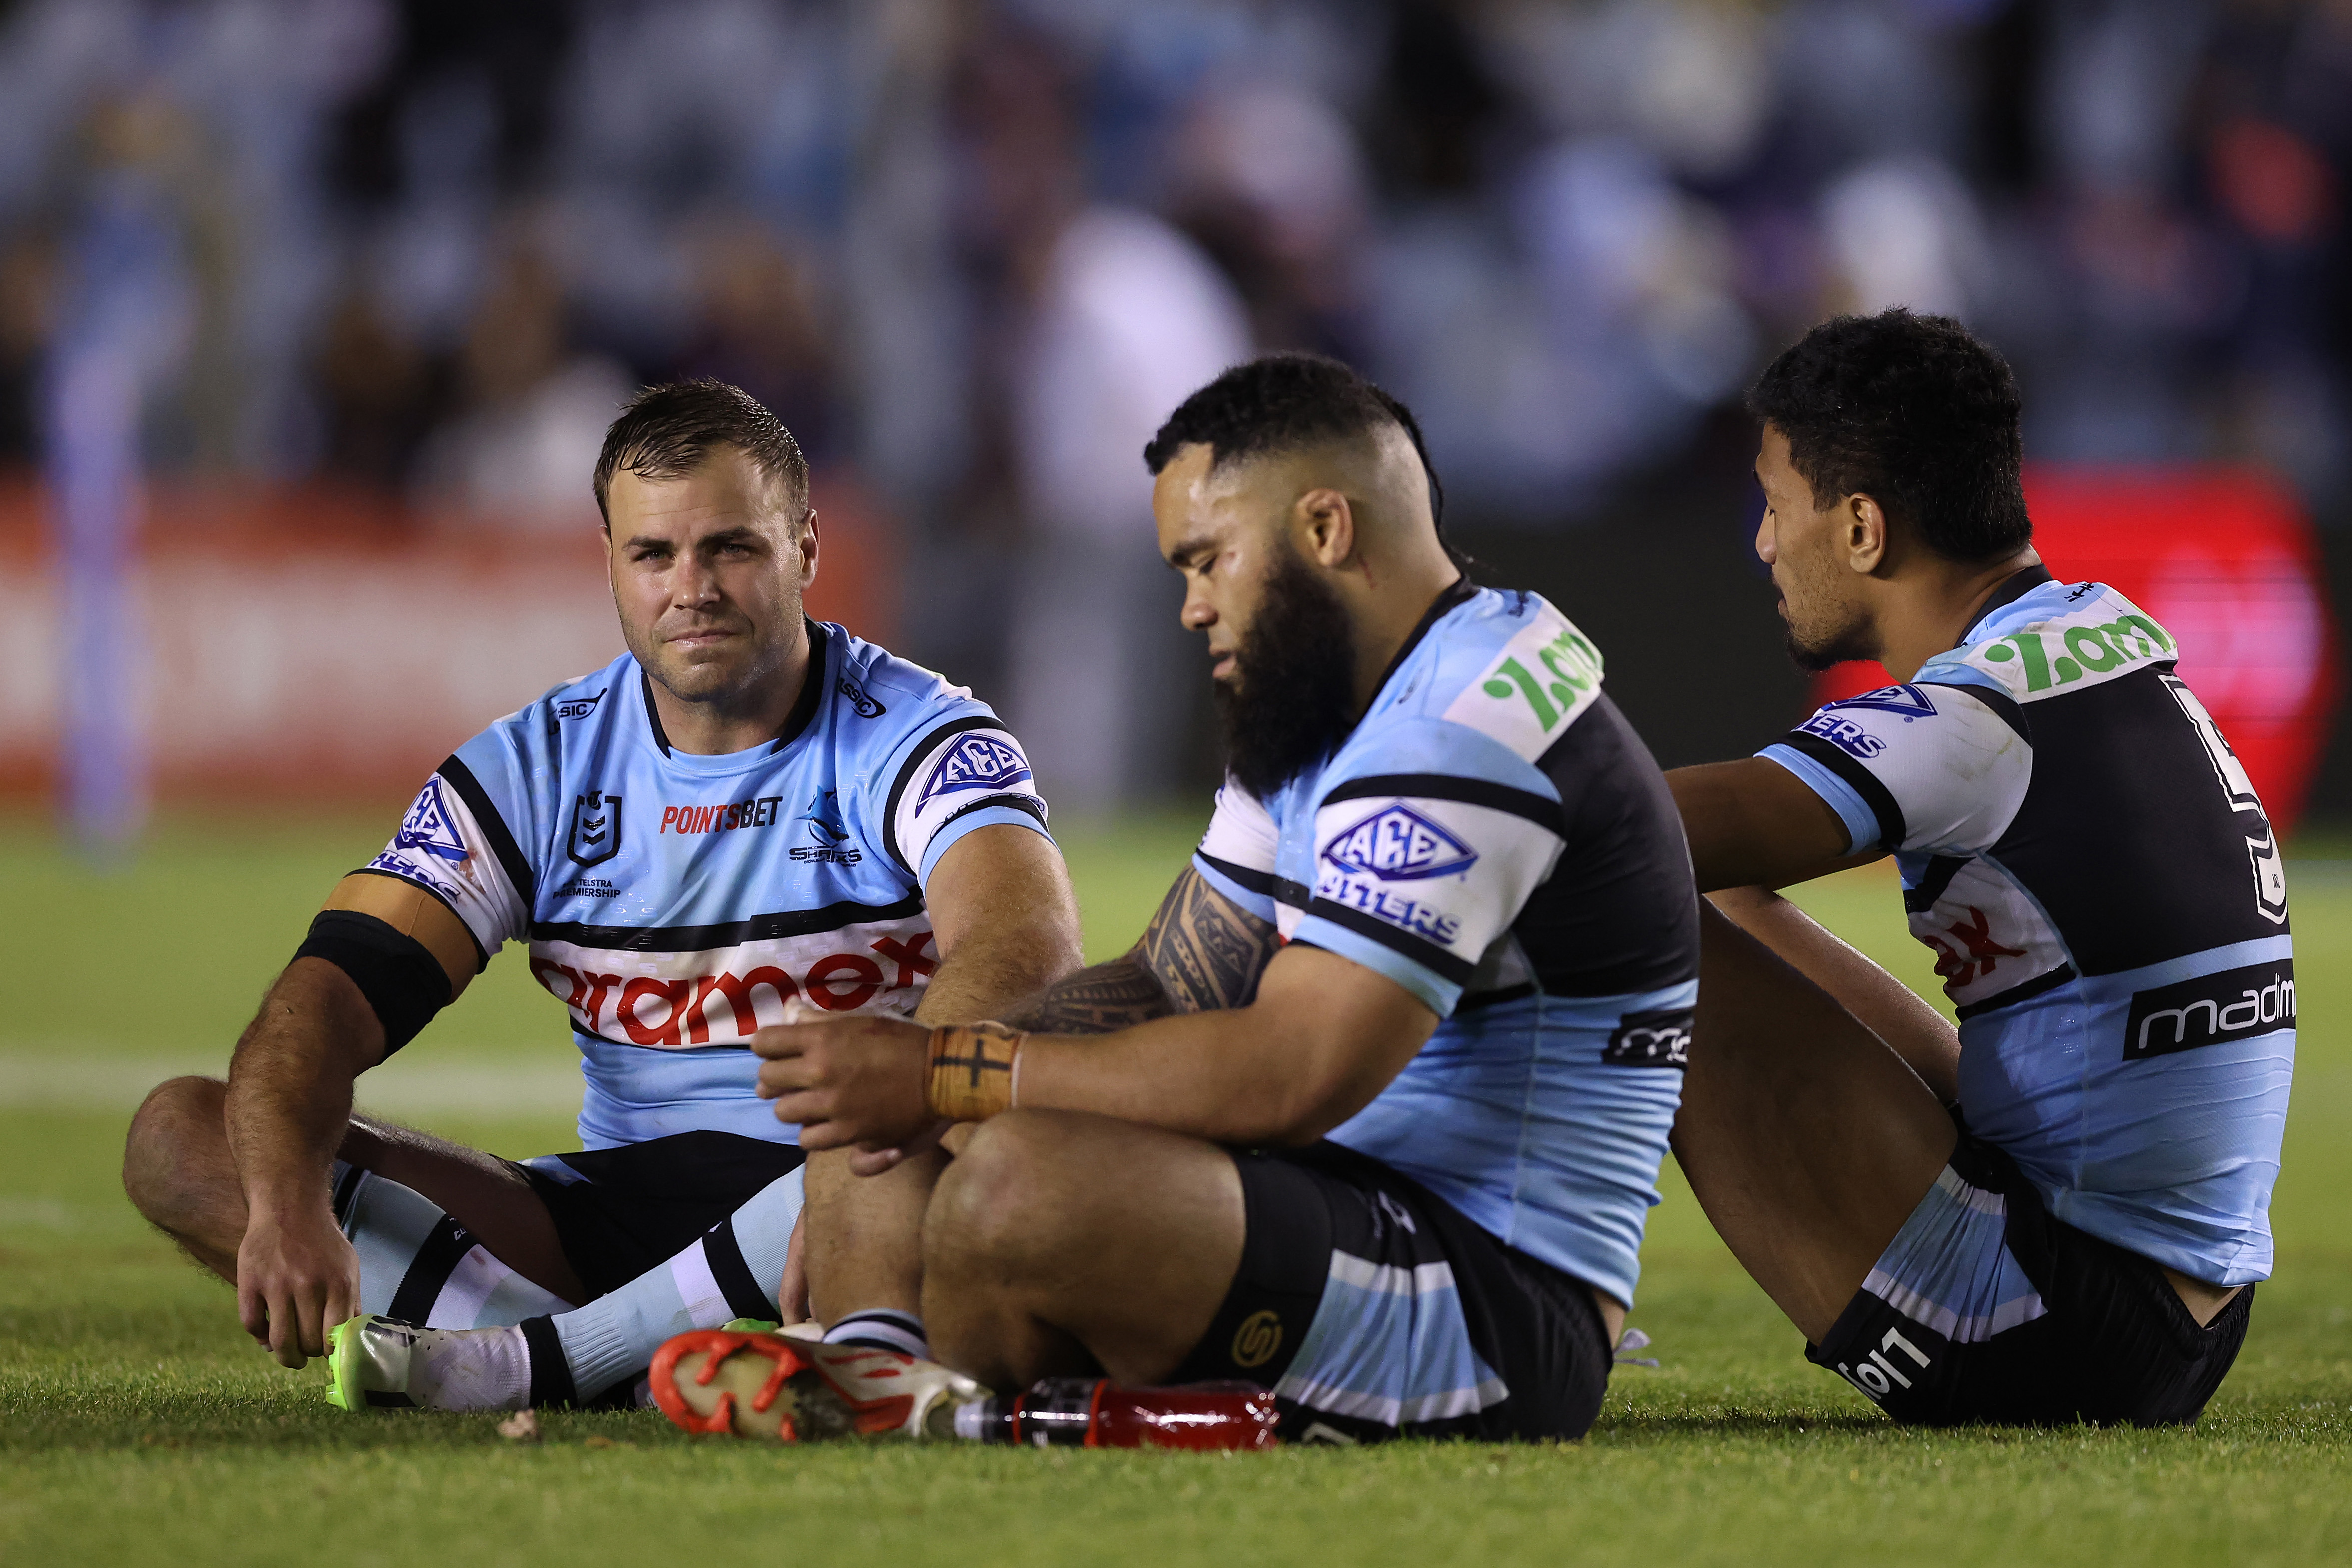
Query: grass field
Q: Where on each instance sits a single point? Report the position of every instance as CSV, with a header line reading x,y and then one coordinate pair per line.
x,y
138,1424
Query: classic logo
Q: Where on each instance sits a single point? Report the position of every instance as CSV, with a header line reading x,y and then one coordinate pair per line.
x,y
1658,1037
2234,1004
1842,733
1257,1339
595,828
973,762
1907,701
427,827
1396,843
828,832
867,706
578,708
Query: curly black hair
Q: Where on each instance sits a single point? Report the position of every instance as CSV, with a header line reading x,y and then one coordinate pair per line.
x,y
664,432
1916,411
1279,402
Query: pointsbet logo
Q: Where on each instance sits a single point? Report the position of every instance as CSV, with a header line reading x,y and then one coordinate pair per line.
x,y
2054,657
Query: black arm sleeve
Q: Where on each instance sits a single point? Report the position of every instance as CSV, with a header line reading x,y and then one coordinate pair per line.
x,y
398,975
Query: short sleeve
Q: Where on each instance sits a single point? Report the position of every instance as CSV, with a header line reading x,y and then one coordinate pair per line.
x,y
1237,853
1416,874
453,844
963,774
1922,767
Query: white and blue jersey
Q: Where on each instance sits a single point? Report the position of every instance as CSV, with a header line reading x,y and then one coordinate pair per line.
x,y
674,903
2083,854
1495,838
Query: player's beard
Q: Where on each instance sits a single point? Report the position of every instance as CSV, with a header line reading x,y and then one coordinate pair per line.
x,y
1827,633
1292,699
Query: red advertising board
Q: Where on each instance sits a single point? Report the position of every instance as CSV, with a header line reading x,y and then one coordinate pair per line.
x,y
2225,560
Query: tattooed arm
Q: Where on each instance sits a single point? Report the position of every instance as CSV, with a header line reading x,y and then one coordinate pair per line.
x,y
1200,951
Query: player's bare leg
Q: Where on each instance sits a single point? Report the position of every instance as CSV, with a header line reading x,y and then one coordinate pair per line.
x,y
1806,1138
179,1173
863,1236
1061,1243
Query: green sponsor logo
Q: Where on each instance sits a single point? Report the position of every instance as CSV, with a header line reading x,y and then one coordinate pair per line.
x,y
1572,670
2054,659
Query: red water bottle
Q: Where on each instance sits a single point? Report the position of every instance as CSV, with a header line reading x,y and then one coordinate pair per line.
x,y
1095,1413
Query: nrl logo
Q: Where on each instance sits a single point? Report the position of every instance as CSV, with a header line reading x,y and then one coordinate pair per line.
x,y
595,828
427,827
974,762
1396,843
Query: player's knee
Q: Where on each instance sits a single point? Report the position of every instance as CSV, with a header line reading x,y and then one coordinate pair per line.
x,y
176,1117
995,1203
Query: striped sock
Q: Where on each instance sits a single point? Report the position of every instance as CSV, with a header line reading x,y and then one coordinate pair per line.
x,y
882,1328
419,1265
732,1272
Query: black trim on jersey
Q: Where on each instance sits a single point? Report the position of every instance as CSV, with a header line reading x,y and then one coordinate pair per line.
x,y
1428,955
1458,592
1495,999
1296,895
481,954
1891,829
404,984
915,760
1259,882
814,683
444,1248
2049,981
1527,803
723,933
1029,803
732,1275
653,714
494,828
2003,706
1941,870
2013,587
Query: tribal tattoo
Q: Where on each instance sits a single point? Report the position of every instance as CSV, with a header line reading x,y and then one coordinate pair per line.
x,y
1200,952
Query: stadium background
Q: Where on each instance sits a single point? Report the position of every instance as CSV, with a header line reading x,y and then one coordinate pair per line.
x,y
312,314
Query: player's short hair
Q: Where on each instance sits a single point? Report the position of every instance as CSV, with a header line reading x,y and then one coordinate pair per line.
x,y
1280,403
1916,411
665,432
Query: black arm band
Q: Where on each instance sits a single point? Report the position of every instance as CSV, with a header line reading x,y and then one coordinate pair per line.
x,y
398,975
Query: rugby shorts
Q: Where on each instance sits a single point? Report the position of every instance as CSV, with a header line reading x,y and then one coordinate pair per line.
x,y
622,1212
1372,1309
1984,1308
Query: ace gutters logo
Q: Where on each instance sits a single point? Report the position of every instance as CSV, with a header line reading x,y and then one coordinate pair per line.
x,y
1394,844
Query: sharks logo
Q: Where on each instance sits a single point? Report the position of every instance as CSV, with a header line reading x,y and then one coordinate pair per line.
x,y
1398,843
976,761
427,827
595,828
829,833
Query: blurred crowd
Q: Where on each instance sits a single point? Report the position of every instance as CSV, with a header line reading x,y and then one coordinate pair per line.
x,y
971,252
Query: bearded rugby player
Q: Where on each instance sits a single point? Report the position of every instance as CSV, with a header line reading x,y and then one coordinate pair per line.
x,y
1386,1084
2079,1237
745,807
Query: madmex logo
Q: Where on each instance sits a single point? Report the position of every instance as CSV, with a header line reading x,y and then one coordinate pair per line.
x,y
973,762
659,1012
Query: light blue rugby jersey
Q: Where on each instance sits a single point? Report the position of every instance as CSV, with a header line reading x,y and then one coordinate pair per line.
x,y
673,902
1495,838
2086,856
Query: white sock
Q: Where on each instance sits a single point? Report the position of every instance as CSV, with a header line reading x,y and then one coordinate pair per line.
x,y
732,1272
419,1265
882,1328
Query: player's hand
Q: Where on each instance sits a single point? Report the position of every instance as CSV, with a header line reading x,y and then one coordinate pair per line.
x,y
849,1081
297,1277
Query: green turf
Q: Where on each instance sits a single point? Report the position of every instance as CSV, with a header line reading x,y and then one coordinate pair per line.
x,y
137,1424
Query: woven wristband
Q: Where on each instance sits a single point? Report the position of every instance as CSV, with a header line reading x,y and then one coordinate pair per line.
x,y
971,1070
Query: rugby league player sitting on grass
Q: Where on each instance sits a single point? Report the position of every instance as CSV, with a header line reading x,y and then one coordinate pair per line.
x,y
2060,1214
744,808
1384,1088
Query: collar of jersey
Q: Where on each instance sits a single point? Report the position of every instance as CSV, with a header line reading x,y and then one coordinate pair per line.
x,y
1460,594
2013,587
813,688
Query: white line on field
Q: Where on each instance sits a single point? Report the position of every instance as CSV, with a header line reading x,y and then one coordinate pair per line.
x,y
95,1081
